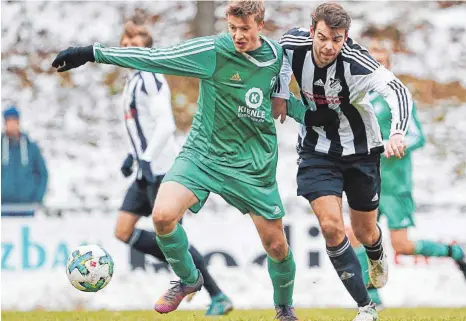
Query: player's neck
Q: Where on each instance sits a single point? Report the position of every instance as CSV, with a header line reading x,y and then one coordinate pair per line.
x,y
257,45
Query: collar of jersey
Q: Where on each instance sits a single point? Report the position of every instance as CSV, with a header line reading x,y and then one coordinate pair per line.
x,y
262,63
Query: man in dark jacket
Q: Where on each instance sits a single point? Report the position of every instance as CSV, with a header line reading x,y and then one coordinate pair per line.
x,y
24,174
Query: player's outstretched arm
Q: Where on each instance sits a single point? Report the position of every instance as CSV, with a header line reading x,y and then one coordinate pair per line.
x,y
192,58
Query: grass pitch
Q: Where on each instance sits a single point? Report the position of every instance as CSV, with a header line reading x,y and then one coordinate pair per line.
x,y
416,314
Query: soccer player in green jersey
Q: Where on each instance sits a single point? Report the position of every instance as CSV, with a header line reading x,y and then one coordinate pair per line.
x,y
232,146
396,199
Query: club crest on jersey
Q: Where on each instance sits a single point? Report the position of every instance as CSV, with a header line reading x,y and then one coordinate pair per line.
x,y
253,98
335,84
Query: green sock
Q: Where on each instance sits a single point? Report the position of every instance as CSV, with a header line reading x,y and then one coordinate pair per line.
x,y
282,275
430,248
175,248
362,258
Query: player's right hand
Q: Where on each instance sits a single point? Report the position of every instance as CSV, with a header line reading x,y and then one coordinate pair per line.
x,y
127,167
279,109
73,57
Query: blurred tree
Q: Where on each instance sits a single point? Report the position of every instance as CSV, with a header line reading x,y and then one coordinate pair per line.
x,y
204,21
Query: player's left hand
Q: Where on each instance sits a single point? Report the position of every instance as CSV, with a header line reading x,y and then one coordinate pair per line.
x,y
279,109
395,146
73,57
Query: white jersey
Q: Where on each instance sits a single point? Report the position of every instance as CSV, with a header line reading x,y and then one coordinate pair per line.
x,y
343,86
149,120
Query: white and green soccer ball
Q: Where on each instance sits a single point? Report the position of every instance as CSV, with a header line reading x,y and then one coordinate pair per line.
x,y
89,268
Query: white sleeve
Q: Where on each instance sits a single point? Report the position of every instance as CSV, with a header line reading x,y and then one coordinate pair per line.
x,y
159,104
395,93
282,89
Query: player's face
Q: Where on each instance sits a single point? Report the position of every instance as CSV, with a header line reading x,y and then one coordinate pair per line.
x,y
327,43
12,127
245,32
136,41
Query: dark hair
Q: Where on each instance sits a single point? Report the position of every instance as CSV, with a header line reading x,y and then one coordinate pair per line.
x,y
132,29
245,8
333,14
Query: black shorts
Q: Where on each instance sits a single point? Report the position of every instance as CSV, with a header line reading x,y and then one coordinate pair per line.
x,y
357,175
139,200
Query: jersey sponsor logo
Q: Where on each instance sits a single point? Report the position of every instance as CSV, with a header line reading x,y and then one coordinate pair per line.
x,y
323,100
235,77
253,98
319,82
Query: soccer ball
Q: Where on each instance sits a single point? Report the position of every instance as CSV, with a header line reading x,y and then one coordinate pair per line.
x,y
89,268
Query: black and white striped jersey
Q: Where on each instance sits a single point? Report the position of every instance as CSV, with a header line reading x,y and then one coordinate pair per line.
x,y
149,121
343,86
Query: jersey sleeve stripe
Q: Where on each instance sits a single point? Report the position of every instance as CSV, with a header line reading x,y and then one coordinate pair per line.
x,y
356,60
402,104
154,51
154,55
360,56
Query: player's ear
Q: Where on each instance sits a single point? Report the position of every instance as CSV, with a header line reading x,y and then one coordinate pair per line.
x,y
346,35
312,32
260,26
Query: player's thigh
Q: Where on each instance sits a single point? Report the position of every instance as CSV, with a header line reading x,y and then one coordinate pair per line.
x,y
398,210
319,175
196,185
264,201
362,182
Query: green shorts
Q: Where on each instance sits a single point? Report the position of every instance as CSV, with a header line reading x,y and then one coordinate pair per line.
x,y
398,209
261,200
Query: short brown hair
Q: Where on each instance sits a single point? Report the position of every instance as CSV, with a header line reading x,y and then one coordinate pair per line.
x,y
245,8
333,14
132,29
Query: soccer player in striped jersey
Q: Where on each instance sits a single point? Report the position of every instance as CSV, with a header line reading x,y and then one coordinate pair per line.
x,y
396,199
150,128
334,73
232,146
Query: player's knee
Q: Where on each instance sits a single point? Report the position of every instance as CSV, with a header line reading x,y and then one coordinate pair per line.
x,y
277,249
332,229
366,234
163,217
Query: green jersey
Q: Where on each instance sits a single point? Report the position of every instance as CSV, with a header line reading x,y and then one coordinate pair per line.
x,y
233,131
397,173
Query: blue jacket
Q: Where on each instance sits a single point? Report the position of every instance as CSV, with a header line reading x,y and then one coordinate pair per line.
x,y
24,174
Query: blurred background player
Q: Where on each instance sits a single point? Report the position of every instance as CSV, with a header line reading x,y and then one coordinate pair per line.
x,y
150,128
24,173
396,199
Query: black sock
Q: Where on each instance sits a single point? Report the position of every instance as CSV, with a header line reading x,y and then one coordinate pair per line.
x,y
346,264
375,251
144,241
209,282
